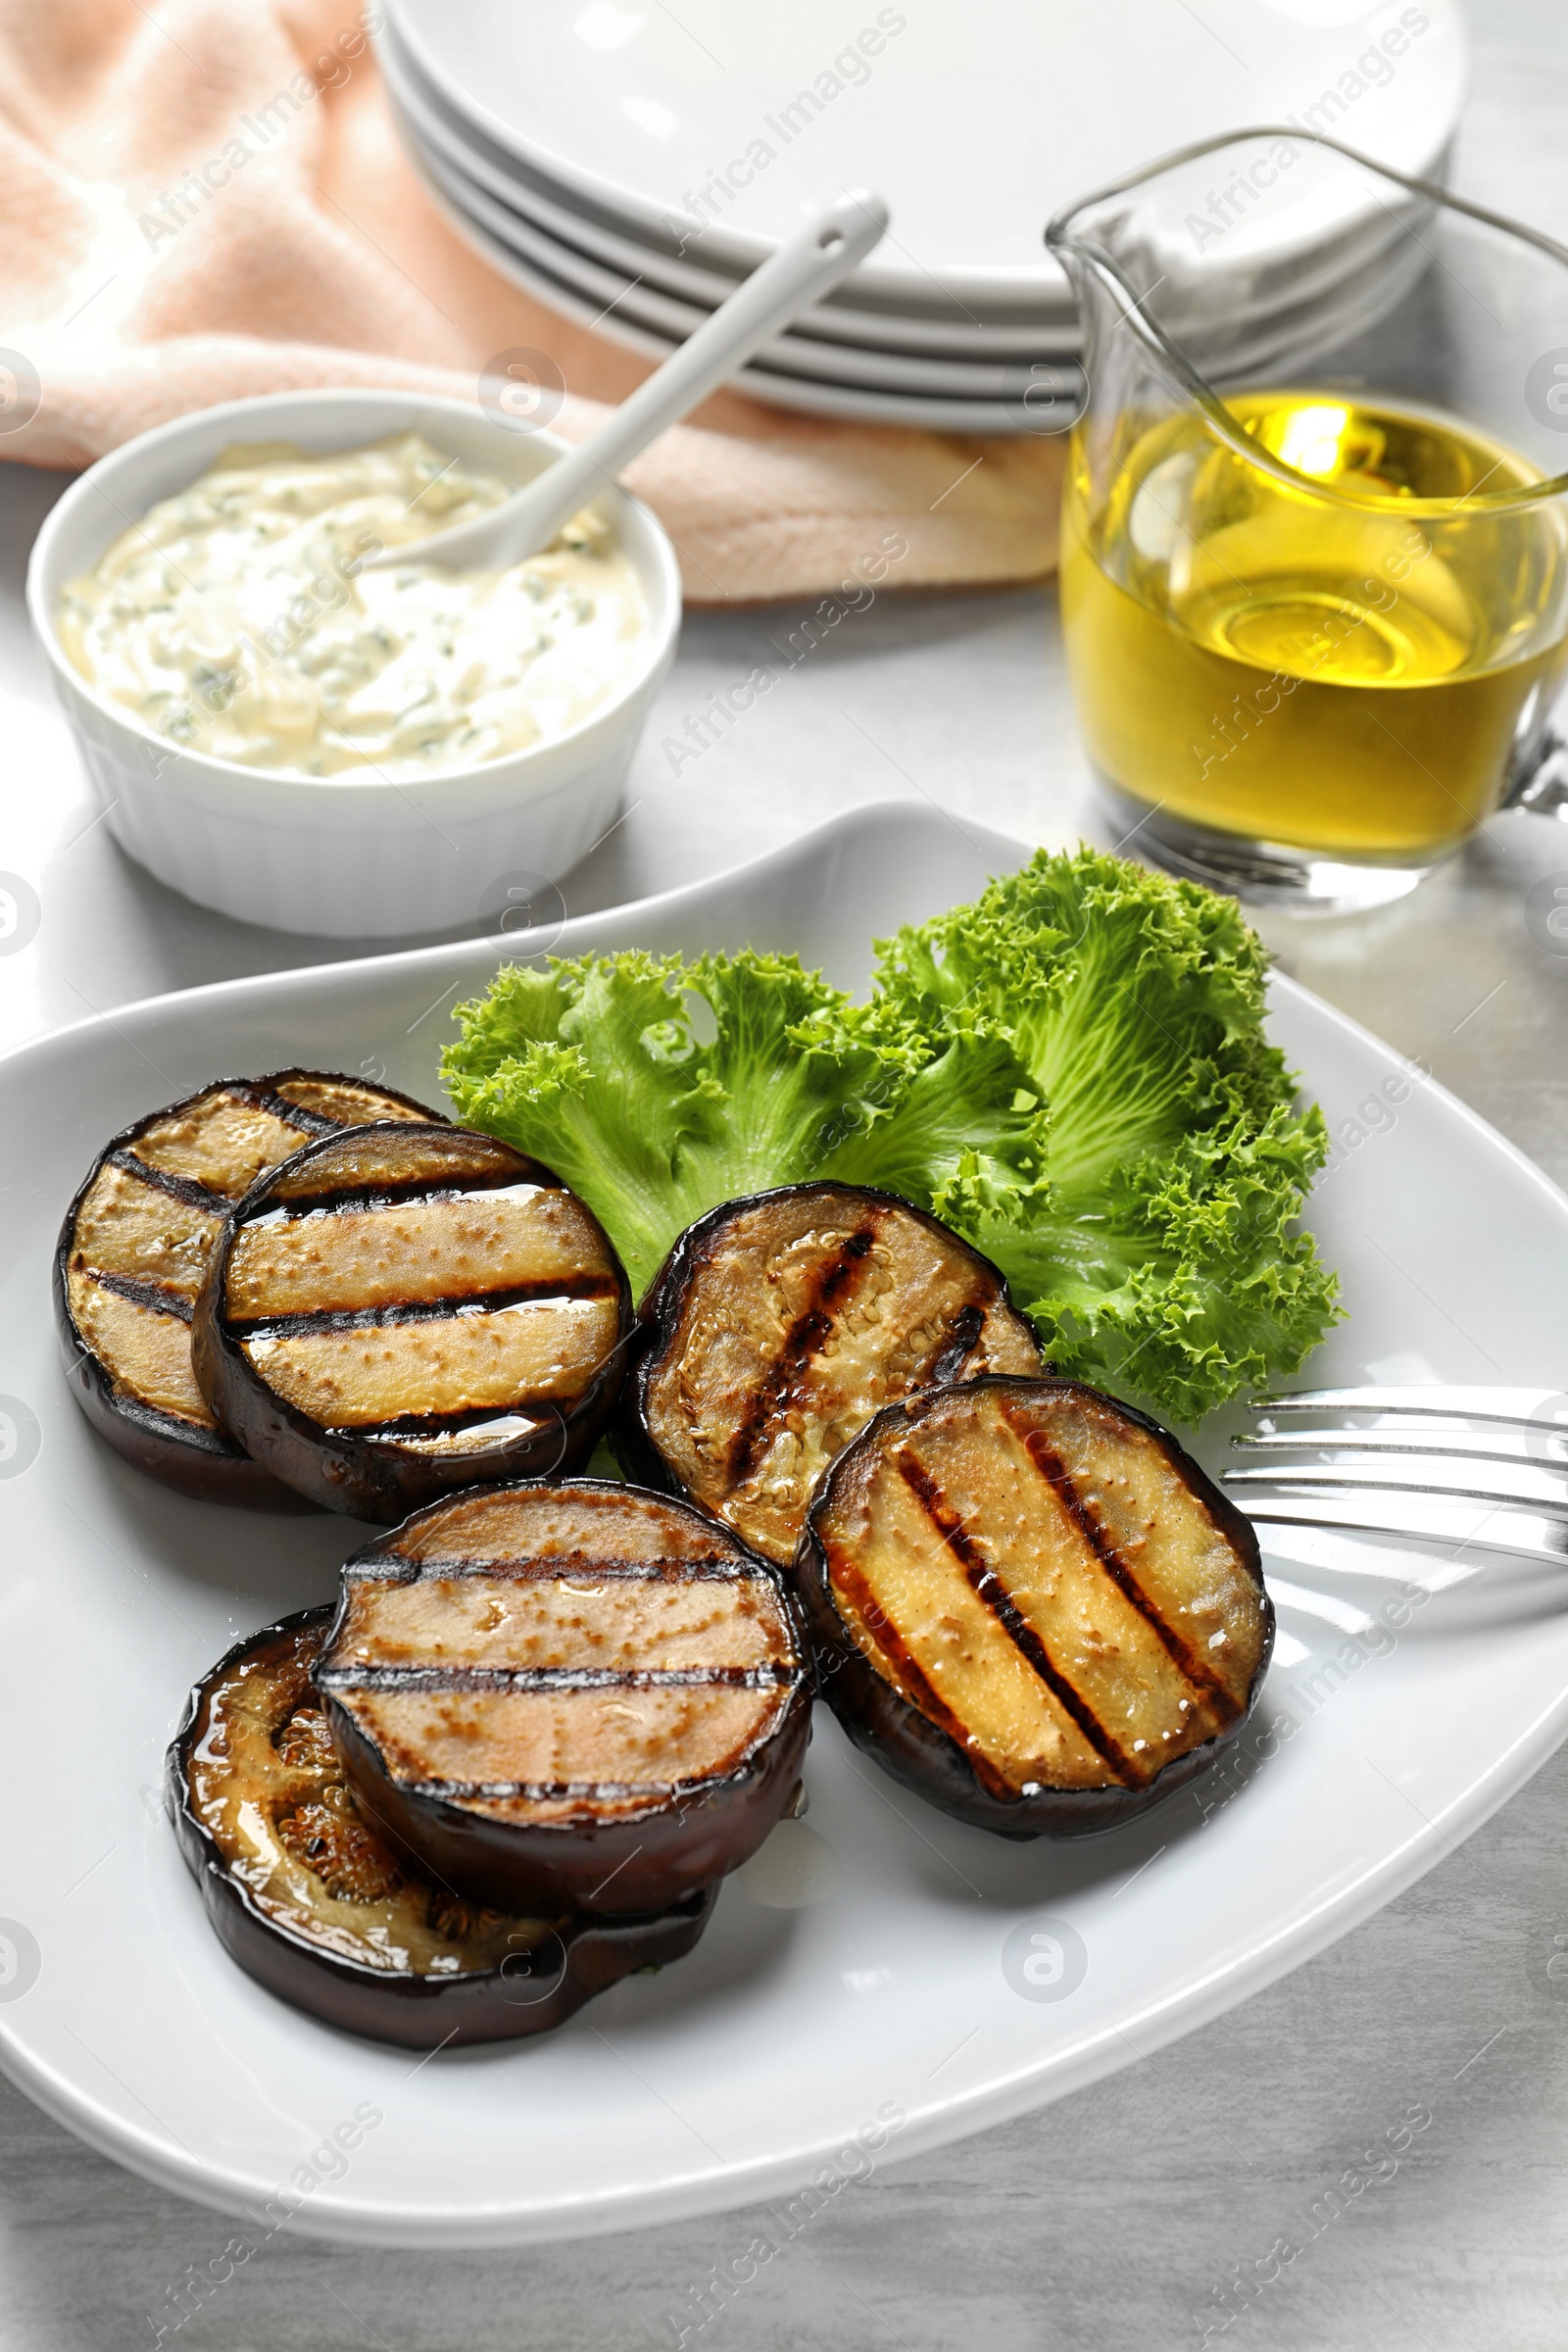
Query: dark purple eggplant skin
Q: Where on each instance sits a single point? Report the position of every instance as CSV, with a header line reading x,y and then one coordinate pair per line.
x,y
912,1750
638,1863
201,1463
418,2013
341,1473
657,1318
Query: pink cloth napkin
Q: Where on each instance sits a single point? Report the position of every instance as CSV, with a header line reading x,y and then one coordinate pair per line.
x,y
203,199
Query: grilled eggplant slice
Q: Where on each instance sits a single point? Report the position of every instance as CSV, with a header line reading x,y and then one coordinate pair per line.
x,y
573,1695
1031,1607
407,1310
134,1249
778,1326
311,1902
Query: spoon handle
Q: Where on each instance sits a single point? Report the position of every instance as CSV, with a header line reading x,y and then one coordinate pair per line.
x,y
805,267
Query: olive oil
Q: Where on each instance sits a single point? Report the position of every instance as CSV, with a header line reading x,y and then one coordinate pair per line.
x,y
1353,674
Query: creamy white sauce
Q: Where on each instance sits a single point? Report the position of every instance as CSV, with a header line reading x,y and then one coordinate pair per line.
x,y
235,618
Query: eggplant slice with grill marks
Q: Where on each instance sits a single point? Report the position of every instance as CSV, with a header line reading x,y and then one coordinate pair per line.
x,y
408,1309
311,1902
1031,1607
577,1696
134,1249
780,1324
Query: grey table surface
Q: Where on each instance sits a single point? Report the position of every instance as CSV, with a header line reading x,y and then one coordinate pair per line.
x,y
1106,2223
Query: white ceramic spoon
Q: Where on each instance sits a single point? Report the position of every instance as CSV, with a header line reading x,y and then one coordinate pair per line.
x,y
803,270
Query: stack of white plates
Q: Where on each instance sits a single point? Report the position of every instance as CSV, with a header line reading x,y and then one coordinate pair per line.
x,y
629,164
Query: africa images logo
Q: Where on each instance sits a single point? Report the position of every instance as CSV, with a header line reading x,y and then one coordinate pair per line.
x,y
19,1960
1044,1959
1546,390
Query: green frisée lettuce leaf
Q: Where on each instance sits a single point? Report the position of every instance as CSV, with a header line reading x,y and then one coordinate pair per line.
x,y
658,1089
1157,1252
1072,1071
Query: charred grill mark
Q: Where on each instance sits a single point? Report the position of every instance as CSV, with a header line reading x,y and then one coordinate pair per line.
x,y
847,1580
1053,1470
394,1192
833,1282
310,1125
386,1567
178,1188
775,1677
999,1601
962,1338
294,1115
150,1294
557,1290
206,1436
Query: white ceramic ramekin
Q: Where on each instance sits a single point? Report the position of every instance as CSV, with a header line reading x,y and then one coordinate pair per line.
x,y
352,855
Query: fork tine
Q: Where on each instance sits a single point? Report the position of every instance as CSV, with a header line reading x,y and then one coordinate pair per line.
x,y
1533,1490
1483,1492
1519,1407
1449,1445
1518,1533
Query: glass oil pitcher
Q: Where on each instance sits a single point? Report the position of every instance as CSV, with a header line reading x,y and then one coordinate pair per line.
x,y
1314,566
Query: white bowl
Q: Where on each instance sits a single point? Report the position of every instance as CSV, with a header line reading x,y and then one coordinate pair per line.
x,y
352,855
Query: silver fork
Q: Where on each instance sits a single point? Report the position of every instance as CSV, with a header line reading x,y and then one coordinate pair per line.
x,y
1481,1467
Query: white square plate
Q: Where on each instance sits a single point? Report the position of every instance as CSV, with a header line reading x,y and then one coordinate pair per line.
x,y
902,1965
